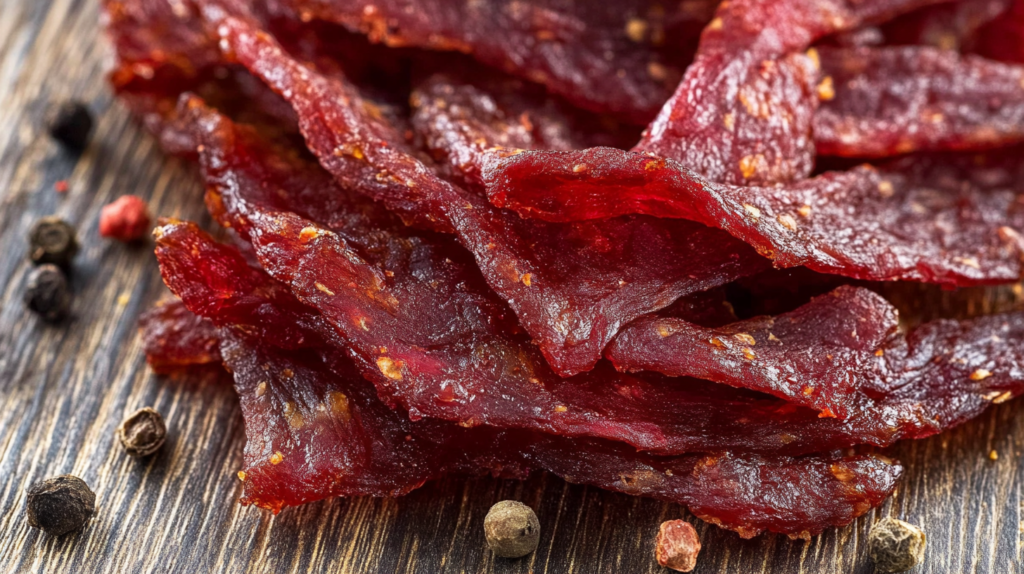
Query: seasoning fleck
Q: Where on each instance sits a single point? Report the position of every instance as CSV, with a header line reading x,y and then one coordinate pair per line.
x,y
60,504
52,240
48,293
142,433
981,374
512,529
895,546
677,545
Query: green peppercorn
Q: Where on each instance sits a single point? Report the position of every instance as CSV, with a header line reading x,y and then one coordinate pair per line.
x,y
70,123
48,293
60,504
142,433
52,240
895,546
512,529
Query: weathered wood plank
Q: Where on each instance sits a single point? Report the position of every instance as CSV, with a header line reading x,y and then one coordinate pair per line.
x,y
64,389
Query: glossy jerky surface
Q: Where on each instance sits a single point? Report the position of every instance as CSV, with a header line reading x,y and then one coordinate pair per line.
x,y
819,355
175,338
563,45
572,286
744,109
467,126
948,219
890,101
663,414
315,430
949,26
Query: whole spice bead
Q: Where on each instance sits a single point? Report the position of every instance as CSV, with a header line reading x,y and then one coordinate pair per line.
x,y
512,529
126,219
677,545
142,433
48,293
70,123
52,240
60,505
895,546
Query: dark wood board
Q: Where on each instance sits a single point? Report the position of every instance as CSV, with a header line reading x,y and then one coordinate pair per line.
x,y
63,390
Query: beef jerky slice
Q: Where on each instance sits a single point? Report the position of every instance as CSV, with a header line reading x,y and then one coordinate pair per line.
x,y
1002,39
923,395
823,351
602,57
468,125
948,26
316,430
743,112
571,286
419,305
314,433
164,48
174,338
948,219
688,415
889,101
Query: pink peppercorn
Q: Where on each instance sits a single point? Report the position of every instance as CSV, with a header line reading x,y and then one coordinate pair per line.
x,y
126,219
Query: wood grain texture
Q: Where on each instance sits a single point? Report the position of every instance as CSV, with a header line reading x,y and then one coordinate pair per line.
x,y
64,389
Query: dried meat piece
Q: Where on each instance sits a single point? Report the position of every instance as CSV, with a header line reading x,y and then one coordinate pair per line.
x,y
315,430
949,26
546,41
751,123
924,393
242,295
467,125
820,355
174,338
949,219
438,360
508,394
744,110
572,286
164,48
296,405
748,494
1002,39
889,101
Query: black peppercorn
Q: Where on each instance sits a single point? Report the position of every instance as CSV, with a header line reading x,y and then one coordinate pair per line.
x,y
59,505
895,546
48,293
70,123
512,529
52,240
143,432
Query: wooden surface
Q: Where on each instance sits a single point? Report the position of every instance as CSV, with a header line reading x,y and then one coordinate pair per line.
x,y
64,389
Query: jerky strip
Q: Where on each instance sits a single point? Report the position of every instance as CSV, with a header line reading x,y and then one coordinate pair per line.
x,y
545,41
953,220
743,112
295,406
174,338
549,274
819,355
889,101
